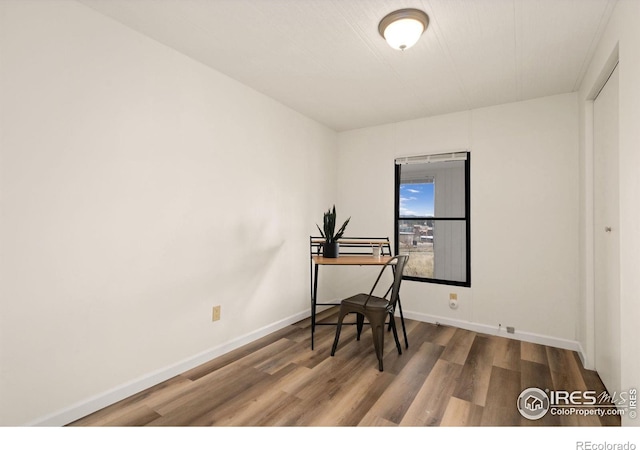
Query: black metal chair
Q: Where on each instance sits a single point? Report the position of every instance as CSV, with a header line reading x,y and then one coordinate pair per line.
x,y
375,309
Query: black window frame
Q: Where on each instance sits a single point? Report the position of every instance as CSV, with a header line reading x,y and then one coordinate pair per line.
x,y
467,219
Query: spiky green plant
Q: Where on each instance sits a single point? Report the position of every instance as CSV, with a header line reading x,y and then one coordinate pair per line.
x,y
328,233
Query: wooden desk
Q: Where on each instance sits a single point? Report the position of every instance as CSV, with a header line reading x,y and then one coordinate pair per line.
x,y
348,259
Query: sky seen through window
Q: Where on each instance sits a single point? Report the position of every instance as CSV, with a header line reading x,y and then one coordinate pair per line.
x,y
417,200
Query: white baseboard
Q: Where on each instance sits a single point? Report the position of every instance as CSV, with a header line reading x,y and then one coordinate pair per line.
x,y
583,358
93,404
492,330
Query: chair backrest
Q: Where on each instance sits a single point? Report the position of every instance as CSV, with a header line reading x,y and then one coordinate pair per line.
x,y
397,263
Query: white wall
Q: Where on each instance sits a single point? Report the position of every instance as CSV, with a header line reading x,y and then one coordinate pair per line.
x,y
621,39
139,189
524,212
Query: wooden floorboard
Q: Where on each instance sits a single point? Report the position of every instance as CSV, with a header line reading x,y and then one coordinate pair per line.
x,y
502,394
447,377
476,372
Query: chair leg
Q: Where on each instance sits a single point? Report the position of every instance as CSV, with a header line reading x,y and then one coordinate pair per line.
x,y
378,342
359,325
392,324
338,328
377,321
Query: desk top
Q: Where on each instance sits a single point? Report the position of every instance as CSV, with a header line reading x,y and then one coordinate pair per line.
x,y
354,241
352,260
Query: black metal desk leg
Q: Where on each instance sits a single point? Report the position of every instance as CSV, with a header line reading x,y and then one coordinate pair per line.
x,y
404,329
313,304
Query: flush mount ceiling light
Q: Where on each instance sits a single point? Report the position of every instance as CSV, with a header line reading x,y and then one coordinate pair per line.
x,y
401,29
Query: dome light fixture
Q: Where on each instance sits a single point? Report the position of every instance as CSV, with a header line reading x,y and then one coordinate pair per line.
x,y
402,29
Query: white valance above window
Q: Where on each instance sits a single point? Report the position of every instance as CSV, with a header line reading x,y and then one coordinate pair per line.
x,y
441,157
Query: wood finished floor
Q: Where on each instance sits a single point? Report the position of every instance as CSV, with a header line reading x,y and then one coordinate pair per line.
x,y
447,377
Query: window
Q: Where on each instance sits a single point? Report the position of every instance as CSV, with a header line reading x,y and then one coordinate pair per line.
x,y
432,217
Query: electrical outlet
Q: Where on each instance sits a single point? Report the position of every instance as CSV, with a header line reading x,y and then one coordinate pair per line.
x,y
511,330
216,313
453,301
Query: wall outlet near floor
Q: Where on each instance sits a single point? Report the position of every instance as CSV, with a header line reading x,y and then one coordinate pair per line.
x,y
511,330
453,301
216,313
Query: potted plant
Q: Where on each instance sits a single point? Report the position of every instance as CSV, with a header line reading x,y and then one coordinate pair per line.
x,y
331,246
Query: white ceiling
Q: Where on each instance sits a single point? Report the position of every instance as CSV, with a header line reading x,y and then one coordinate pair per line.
x,y
325,58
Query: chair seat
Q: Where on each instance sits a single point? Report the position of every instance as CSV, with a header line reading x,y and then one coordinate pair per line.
x,y
373,303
